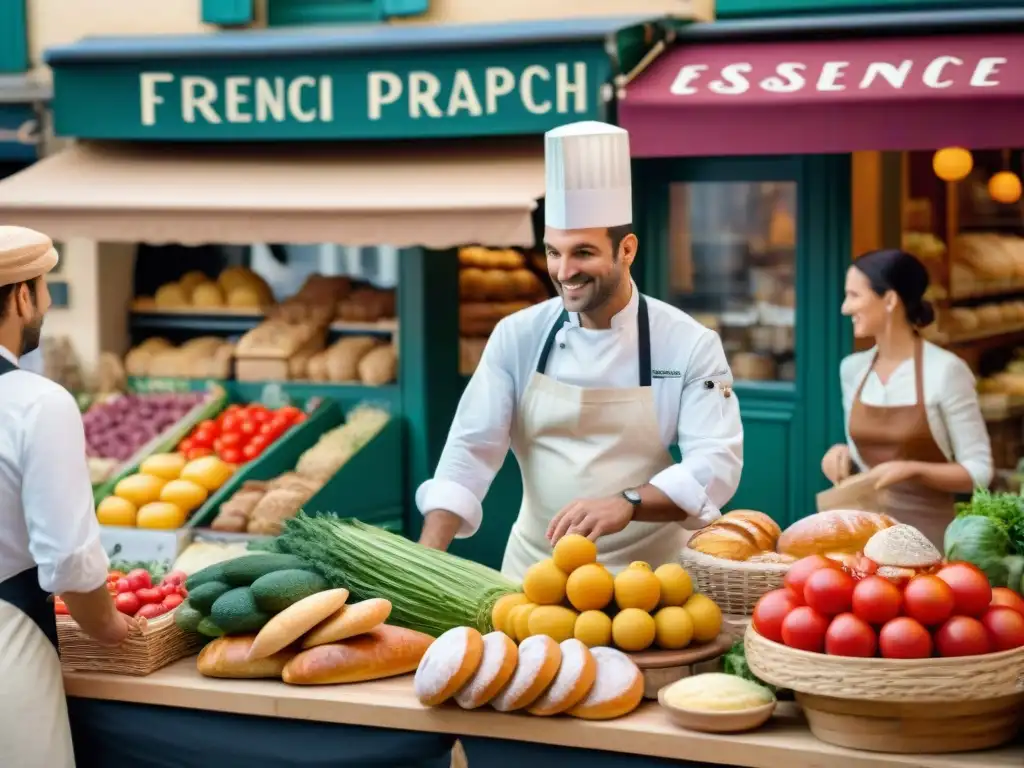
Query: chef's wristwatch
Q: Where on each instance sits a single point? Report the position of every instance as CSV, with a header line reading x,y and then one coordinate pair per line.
x,y
632,495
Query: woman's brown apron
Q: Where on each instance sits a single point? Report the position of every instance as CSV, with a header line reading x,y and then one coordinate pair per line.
x,y
902,433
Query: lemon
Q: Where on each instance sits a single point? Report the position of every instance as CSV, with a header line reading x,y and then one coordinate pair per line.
x,y
706,617
185,494
554,621
593,629
520,621
140,489
573,551
637,587
114,510
676,584
673,628
633,629
166,466
503,608
544,583
590,587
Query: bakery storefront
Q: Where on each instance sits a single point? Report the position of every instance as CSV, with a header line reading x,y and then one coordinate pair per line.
x,y
767,160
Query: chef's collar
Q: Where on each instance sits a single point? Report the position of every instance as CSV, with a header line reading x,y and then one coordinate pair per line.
x,y
625,316
8,355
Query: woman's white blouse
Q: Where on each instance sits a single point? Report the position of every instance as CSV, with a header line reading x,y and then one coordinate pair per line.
x,y
951,400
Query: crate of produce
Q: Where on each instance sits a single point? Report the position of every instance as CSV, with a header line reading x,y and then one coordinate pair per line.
x,y
335,465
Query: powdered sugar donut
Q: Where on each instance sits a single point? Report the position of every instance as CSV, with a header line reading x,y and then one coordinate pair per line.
x,y
539,657
575,676
448,663
617,690
496,668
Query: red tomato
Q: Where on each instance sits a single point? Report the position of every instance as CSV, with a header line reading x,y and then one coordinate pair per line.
x,y
251,451
139,578
185,445
230,421
770,610
804,628
849,635
168,589
972,593
218,444
203,438
866,565
172,601
299,419
123,585
260,417
273,429
150,611
798,572
198,453
254,408
248,428
182,591
230,440
1008,598
174,577
289,413
128,603
59,607
231,455
115,575
260,442
209,425
928,599
876,600
829,591
962,636
1005,628
904,638
150,594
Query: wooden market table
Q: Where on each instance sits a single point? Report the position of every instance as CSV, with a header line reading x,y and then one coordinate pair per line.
x,y
513,739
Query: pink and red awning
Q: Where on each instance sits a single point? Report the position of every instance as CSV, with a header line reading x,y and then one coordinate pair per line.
x,y
828,96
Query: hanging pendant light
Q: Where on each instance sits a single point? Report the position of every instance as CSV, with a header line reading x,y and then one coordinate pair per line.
x,y
952,163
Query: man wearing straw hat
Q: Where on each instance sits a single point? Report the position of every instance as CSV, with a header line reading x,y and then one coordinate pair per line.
x,y
590,389
49,537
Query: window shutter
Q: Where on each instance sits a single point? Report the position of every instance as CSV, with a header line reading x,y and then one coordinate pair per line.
x,y
228,13
404,7
13,37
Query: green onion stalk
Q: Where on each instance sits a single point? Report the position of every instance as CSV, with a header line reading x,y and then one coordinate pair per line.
x,y
430,591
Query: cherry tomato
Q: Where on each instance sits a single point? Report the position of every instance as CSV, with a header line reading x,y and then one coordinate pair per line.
x,y
123,585
149,595
230,421
59,607
255,408
186,445
198,453
804,628
962,636
230,411
1005,628
260,417
829,591
248,428
138,578
904,638
174,577
260,441
218,444
770,610
128,603
167,589
232,456
150,611
209,425
203,438
866,565
928,599
798,572
876,600
172,601
230,440
115,575
289,413
1008,598
849,635
972,593
273,429
251,451
299,419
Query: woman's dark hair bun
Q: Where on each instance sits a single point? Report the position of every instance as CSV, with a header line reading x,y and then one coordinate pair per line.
x,y
891,269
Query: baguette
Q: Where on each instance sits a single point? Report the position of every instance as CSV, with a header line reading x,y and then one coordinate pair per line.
x,y
349,621
228,657
295,621
383,652
837,530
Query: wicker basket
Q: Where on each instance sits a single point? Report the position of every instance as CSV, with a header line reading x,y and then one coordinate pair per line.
x,y
920,706
735,586
158,642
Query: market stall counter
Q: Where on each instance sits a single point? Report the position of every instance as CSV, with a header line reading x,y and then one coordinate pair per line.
x,y
177,718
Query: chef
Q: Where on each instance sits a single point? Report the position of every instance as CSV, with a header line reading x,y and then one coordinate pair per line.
x,y
590,389
49,538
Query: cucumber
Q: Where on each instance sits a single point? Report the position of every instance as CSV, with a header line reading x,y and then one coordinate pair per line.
x,y
187,617
203,596
243,571
236,612
276,591
204,576
208,628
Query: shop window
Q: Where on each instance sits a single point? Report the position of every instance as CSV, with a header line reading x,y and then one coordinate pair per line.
x,y
281,13
732,264
13,37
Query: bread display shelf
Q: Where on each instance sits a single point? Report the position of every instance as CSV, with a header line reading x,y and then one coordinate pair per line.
x,y
944,338
231,321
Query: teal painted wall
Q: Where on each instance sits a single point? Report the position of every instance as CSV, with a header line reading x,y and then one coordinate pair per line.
x,y
725,9
13,37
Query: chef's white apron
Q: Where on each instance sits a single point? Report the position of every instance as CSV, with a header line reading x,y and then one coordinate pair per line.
x,y
588,443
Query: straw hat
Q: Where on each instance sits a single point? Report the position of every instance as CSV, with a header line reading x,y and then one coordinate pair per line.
x,y
24,255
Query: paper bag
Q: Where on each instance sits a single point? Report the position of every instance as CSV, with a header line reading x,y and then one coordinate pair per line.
x,y
856,492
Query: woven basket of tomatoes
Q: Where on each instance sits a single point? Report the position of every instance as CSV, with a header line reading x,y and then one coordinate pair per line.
x,y
918,657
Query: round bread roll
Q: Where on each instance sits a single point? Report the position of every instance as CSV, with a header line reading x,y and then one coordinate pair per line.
x,y
170,296
838,530
472,284
539,658
447,665
575,677
618,687
190,280
759,519
498,284
725,541
525,283
497,665
207,294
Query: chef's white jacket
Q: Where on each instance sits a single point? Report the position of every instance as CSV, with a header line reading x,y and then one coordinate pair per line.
x,y
690,373
47,516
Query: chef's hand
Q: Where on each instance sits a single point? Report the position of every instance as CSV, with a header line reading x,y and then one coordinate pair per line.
x,y
592,518
836,463
893,472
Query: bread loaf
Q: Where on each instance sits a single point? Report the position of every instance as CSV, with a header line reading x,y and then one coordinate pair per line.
x,y
378,366
295,621
383,652
617,690
349,621
342,358
837,530
448,664
576,675
902,546
737,535
497,665
539,659
228,657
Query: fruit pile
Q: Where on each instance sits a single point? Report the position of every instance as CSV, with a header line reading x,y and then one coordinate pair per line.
x,y
572,595
163,494
135,594
240,433
825,608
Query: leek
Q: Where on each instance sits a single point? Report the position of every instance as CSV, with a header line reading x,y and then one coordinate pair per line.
x,y
430,591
